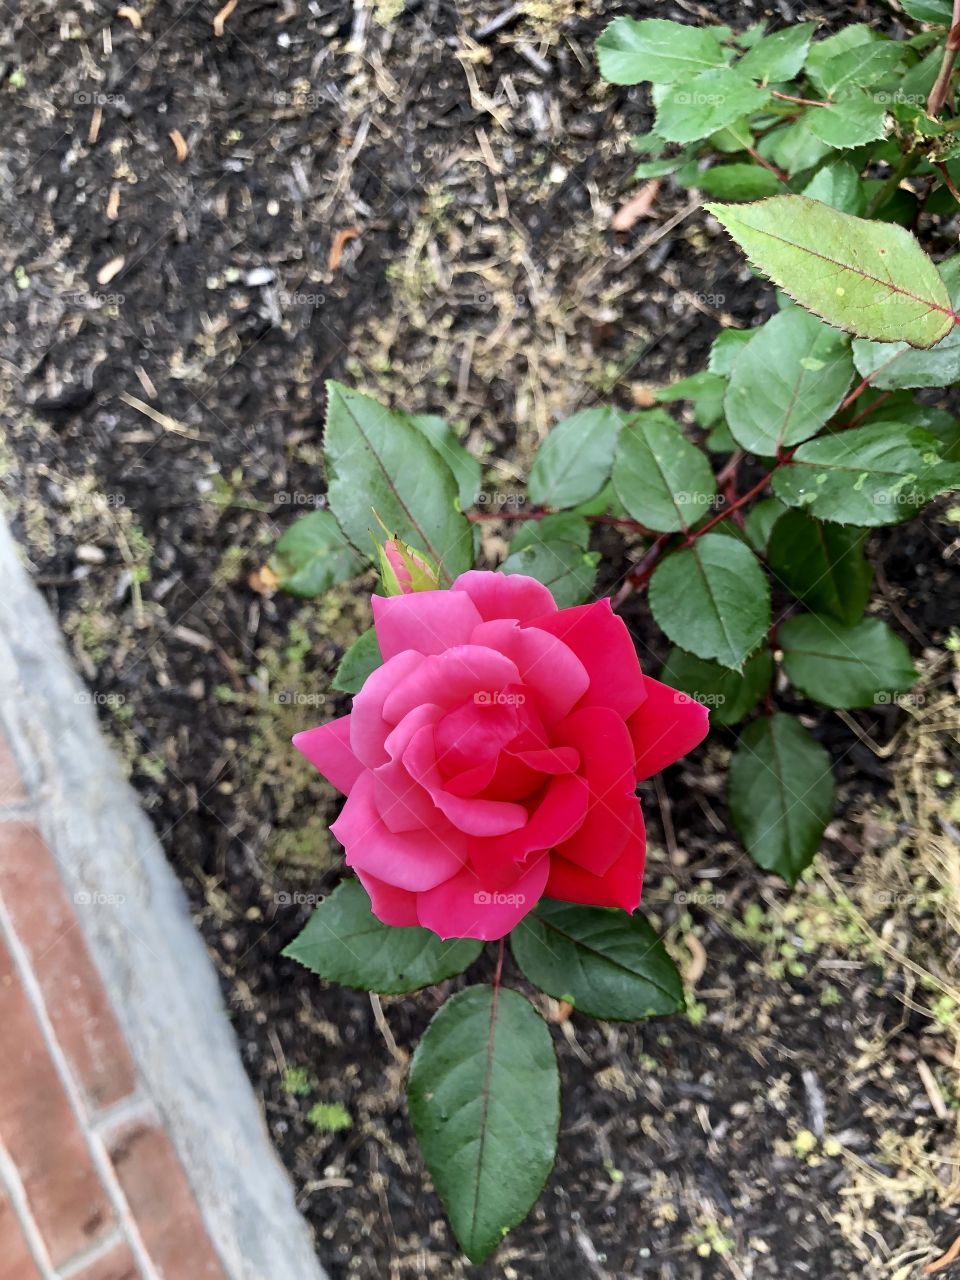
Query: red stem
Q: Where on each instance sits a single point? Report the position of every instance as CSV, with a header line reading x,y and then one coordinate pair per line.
x,y
621,522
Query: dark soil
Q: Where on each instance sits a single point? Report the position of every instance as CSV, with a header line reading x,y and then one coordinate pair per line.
x,y
483,284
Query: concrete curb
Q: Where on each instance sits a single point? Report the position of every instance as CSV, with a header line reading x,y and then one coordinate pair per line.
x,y
153,964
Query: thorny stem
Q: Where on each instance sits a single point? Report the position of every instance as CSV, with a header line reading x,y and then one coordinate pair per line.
x,y
941,89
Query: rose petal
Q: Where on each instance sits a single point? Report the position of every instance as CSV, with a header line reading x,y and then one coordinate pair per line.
x,y
477,817
559,813
411,860
426,621
501,595
462,908
328,749
448,679
402,802
368,728
602,643
620,886
606,759
666,727
547,666
390,905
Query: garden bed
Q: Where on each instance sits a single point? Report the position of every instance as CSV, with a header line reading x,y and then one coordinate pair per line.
x,y
166,414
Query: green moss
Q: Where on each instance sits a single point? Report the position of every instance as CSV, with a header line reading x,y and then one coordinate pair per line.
x,y
329,1117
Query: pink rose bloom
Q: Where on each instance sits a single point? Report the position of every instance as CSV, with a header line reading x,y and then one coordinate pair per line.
x,y
493,757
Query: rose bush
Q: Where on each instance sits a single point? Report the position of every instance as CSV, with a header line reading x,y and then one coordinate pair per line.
x,y
493,757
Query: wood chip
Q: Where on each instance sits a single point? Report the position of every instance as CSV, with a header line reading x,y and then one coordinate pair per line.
x,y
952,1254
145,381
263,581
113,204
637,207
179,145
96,120
340,241
220,20
132,16
110,269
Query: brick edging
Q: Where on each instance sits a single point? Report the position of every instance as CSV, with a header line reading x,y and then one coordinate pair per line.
x,y
130,1134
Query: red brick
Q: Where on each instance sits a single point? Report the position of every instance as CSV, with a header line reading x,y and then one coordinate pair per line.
x,y
16,1262
45,921
160,1198
12,790
118,1264
41,1133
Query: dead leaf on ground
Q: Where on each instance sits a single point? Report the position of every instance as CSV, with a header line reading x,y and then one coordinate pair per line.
x,y
637,207
263,581
179,145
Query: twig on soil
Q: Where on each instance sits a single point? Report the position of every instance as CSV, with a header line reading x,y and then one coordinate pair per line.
x,y
384,1028
161,419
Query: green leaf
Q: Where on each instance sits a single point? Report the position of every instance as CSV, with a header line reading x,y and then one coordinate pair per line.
x,y
850,121
568,570
838,184
657,50
719,439
605,963
565,526
781,794
737,182
573,463
822,51
727,345
704,389
313,555
344,942
377,459
865,64
662,480
361,660
713,599
858,666
822,564
484,1101
878,474
939,12
869,278
894,365
660,168
787,382
793,147
779,56
697,107
729,696
760,522
467,470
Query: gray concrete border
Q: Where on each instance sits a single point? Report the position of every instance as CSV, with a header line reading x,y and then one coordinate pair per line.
x,y
153,963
